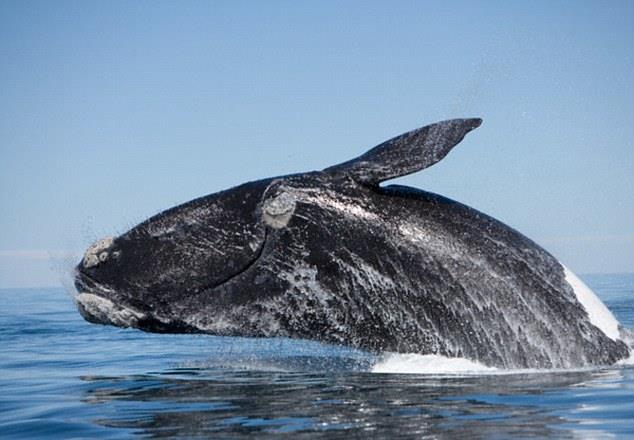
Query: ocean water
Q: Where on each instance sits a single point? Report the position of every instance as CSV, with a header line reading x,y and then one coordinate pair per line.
x,y
61,377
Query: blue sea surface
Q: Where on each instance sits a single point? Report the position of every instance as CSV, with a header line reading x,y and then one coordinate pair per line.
x,y
61,377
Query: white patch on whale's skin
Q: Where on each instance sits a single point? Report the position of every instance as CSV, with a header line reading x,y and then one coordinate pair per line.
x,y
278,211
349,209
106,310
329,200
600,316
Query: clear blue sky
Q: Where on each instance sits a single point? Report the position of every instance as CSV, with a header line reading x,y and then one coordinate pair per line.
x,y
112,111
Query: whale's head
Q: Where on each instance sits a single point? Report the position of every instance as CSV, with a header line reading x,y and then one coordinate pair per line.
x,y
149,276
190,259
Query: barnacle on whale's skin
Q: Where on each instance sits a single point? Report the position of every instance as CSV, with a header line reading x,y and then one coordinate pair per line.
x,y
334,256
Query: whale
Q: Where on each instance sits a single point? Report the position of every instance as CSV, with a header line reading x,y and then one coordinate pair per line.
x,y
341,257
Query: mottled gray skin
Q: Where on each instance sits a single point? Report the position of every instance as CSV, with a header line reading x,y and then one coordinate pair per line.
x,y
332,256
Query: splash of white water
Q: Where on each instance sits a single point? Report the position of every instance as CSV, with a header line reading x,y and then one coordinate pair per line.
x,y
412,363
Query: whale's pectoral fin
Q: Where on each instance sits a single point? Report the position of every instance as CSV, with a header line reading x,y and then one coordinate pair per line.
x,y
407,153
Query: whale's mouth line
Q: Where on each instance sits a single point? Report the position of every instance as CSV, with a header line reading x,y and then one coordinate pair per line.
x,y
99,310
84,283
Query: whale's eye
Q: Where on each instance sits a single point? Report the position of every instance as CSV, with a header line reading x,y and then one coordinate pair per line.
x,y
278,210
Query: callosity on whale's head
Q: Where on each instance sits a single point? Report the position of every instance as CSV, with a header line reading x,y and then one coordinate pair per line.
x,y
331,255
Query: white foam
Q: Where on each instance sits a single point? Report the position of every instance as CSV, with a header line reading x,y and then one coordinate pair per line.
x,y
411,363
436,365
600,316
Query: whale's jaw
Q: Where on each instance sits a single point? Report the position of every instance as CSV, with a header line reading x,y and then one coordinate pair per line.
x,y
98,303
100,310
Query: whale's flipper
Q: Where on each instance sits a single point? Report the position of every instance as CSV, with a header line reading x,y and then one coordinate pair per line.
x,y
407,153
